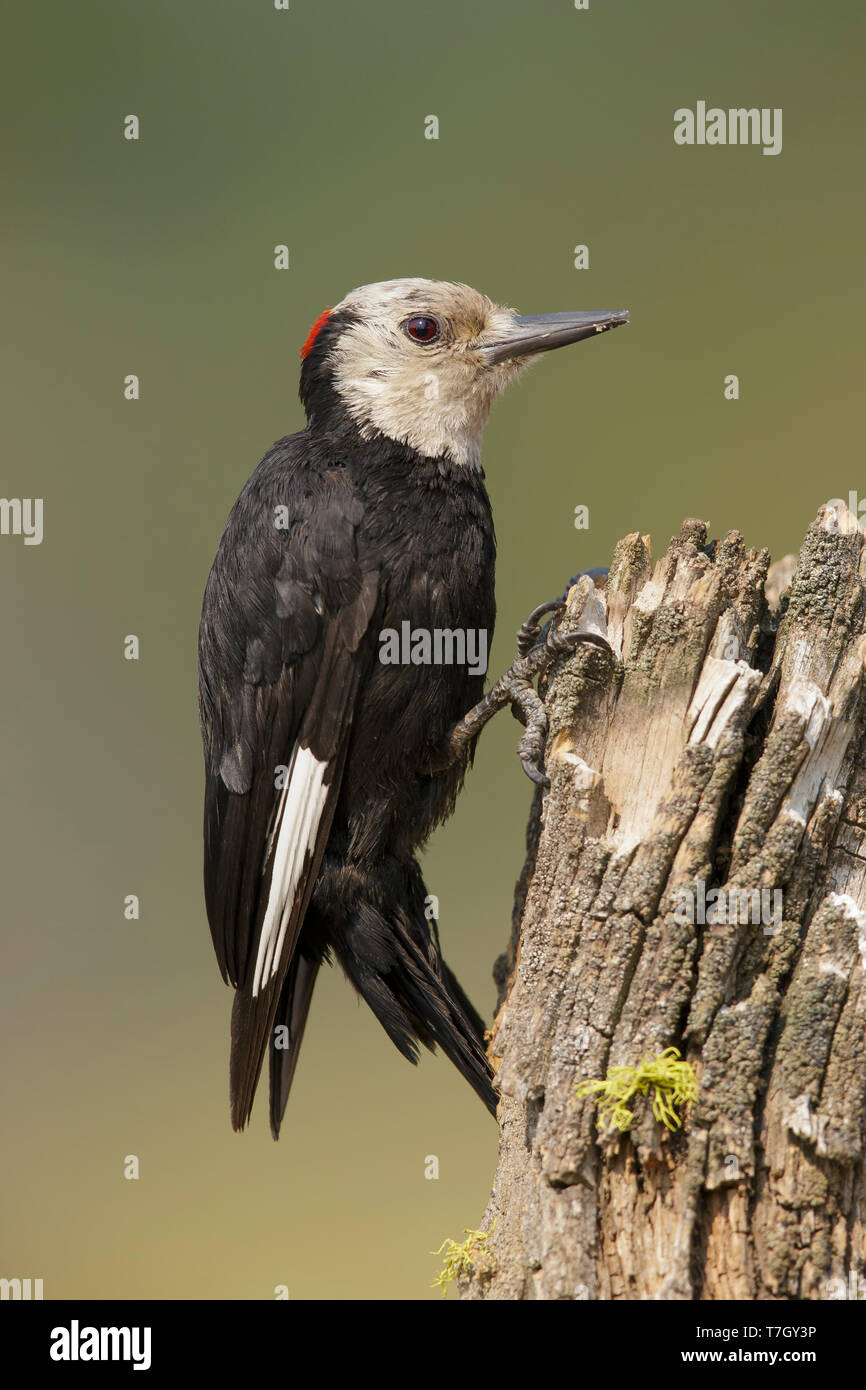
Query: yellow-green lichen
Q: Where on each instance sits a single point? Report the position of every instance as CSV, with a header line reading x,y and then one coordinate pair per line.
x,y
671,1080
460,1257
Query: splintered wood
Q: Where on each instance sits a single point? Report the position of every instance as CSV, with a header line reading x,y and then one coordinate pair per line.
x,y
696,878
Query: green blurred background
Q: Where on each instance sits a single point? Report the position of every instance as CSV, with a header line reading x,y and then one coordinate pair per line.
x,y
307,127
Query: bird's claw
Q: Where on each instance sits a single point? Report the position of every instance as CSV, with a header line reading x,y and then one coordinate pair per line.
x,y
563,643
527,633
531,762
526,703
558,643
515,688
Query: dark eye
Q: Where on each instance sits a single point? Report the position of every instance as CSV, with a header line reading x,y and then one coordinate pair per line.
x,y
422,328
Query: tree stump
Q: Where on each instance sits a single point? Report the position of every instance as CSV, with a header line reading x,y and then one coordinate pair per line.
x,y
723,749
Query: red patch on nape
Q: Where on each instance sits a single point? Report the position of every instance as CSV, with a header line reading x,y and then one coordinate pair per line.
x,y
314,333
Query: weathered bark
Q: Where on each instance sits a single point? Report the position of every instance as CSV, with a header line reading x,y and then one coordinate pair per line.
x,y
725,746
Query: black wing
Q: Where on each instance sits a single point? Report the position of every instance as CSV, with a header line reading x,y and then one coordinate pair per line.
x,y
281,655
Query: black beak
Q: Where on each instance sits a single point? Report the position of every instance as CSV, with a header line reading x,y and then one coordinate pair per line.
x,y
533,333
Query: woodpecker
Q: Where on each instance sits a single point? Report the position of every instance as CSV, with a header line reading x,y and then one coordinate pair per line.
x,y
327,767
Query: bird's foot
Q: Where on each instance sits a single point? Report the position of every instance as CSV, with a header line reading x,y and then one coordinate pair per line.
x,y
535,656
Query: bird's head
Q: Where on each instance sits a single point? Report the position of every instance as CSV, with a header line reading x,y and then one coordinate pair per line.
x,y
421,361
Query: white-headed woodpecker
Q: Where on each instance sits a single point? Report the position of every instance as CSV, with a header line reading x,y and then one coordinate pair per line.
x,y
326,766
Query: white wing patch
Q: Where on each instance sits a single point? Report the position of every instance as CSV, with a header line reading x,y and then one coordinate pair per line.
x,y
298,816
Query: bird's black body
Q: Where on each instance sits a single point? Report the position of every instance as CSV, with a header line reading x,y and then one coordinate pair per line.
x,y
372,534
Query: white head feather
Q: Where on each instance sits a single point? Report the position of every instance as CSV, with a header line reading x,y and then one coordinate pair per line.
x,y
434,396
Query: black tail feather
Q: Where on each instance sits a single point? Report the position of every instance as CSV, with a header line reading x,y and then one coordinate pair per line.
x,y
396,967
292,1014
